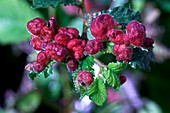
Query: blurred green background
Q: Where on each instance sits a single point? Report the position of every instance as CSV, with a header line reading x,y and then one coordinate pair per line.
x,y
56,93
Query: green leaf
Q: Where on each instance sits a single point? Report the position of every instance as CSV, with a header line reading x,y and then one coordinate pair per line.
x,y
99,97
92,88
142,58
111,73
14,15
53,3
108,48
88,63
124,15
110,77
32,75
48,70
117,67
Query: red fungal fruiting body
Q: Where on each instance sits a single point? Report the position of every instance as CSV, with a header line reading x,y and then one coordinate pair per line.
x,y
58,53
84,78
122,79
76,46
55,52
47,33
116,36
36,42
38,66
61,39
78,55
74,42
148,42
62,30
101,25
42,58
78,52
135,32
49,50
71,32
122,52
93,46
34,26
72,64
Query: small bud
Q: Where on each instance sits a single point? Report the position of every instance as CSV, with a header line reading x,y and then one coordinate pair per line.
x,y
122,79
84,78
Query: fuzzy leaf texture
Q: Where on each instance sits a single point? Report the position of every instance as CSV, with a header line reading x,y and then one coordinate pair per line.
x,y
53,3
142,58
111,74
99,96
108,49
92,88
117,67
87,64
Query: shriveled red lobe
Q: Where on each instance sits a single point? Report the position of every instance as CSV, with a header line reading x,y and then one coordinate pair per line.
x,y
72,64
122,52
84,78
135,32
47,33
148,42
93,46
101,25
34,26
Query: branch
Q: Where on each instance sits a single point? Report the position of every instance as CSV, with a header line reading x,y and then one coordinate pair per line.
x,y
99,63
85,23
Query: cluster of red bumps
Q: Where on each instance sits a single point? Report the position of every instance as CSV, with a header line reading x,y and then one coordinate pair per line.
x,y
104,27
65,45
59,44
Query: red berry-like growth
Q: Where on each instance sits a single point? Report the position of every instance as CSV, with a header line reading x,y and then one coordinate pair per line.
x,y
122,79
47,33
93,46
58,53
36,42
101,25
84,78
116,36
78,52
76,46
61,39
42,58
71,32
53,23
72,64
122,52
135,32
37,67
148,42
34,26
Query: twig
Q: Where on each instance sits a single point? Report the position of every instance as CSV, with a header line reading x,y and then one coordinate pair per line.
x,y
99,63
85,23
